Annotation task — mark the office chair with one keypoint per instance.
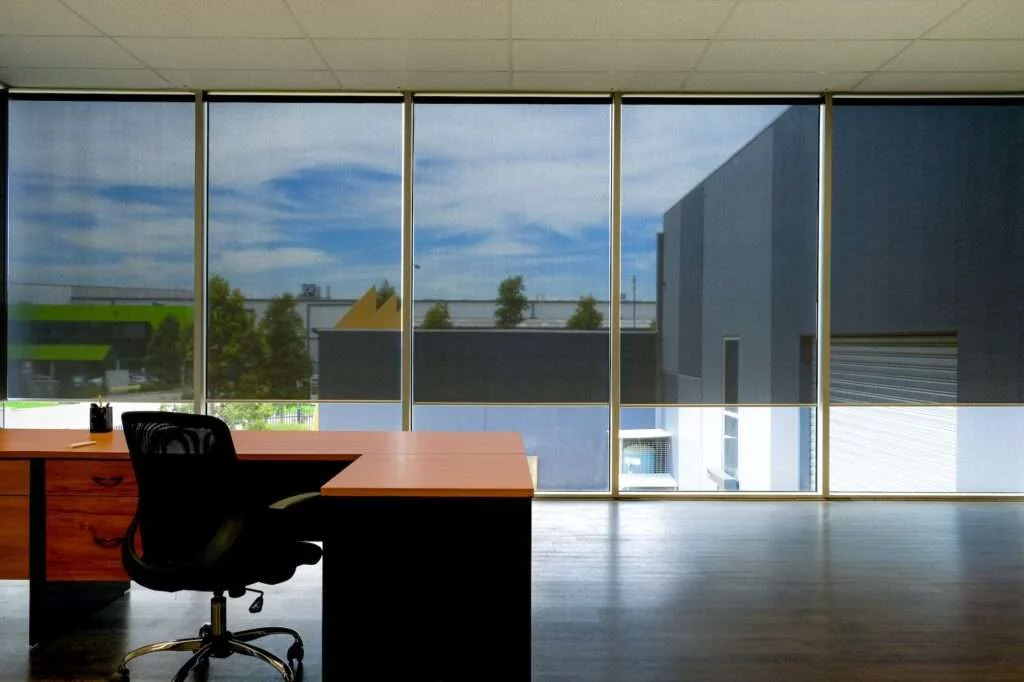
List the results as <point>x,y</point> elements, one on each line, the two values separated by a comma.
<point>198,531</point>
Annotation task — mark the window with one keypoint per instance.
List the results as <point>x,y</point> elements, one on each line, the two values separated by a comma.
<point>304,259</point>
<point>719,238</point>
<point>511,254</point>
<point>927,380</point>
<point>100,255</point>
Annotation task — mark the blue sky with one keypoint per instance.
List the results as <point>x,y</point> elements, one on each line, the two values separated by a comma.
<point>101,193</point>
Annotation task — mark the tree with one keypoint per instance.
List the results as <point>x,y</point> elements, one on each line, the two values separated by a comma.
<point>385,291</point>
<point>586,316</point>
<point>437,317</point>
<point>165,355</point>
<point>289,365</point>
<point>235,349</point>
<point>511,303</point>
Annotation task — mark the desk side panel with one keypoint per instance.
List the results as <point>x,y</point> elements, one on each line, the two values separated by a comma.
<point>445,583</point>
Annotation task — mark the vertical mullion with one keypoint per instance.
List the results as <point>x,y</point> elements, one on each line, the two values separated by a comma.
<point>199,312</point>
<point>5,103</point>
<point>825,302</point>
<point>407,264</point>
<point>615,304</point>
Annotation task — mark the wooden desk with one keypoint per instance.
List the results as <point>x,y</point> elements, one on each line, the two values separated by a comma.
<point>291,445</point>
<point>407,517</point>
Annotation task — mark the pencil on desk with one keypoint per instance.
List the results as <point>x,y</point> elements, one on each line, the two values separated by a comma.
<point>82,444</point>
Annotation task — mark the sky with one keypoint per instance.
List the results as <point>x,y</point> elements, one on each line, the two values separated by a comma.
<point>102,193</point>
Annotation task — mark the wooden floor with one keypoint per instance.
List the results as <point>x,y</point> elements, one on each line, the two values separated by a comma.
<point>702,591</point>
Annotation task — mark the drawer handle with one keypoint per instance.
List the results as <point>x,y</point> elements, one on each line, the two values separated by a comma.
<point>108,481</point>
<point>104,541</point>
<point>107,542</point>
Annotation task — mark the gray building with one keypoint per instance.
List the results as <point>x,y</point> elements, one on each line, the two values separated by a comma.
<point>927,291</point>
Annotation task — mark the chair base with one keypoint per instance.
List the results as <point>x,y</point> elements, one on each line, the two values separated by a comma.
<point>215,641</point>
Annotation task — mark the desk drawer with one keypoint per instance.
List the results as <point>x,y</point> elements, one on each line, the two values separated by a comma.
<point>84,535</point>
<point>13,537</point>
<point>97,477</point>
<point>14,477</point>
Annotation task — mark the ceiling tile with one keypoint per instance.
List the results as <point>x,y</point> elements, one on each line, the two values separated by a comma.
<point>461,81</point>
<point>394,19</point>
<point>960,55</point>
<point>667,19</point>
<point>836,19</point>
<point>41,18</point>
<point>772,82</point>
<point>190,18</point>
<point>606,55</point>
<point>991,81</point>
<point>799,55</point>
<point>984,19</point>
<point>415,55</point>
<point>243,79</point>
<point>114,79</point>
<point>600,81</point>
<point>78,52</point>
<point>225,53</point>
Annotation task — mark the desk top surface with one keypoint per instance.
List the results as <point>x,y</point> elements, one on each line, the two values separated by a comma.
<point>390,463</point>
<point>330,445</point>
<point>433,476</point>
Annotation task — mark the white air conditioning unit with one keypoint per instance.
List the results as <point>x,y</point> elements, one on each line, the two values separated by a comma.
<point>646,459</point>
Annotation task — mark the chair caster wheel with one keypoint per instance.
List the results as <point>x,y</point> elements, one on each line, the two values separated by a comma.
<point>295,652</point>
<point>205,631</point>
<point>121,674</point>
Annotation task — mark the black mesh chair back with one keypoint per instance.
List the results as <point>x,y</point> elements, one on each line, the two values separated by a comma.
<point>186,470</point>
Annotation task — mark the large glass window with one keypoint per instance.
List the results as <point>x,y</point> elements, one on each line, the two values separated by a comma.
<point>927,284</point>
<point>304,258</point>
<point>511,265</point>
<point>719,253</point>
<point>100,256</point>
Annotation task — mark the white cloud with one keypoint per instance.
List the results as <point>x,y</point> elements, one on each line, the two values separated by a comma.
<point>265,260</point>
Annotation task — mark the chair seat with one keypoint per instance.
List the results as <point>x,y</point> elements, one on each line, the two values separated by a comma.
<point>258,564</point>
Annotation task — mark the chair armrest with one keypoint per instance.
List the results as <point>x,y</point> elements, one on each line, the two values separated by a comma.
<point>293,500</point>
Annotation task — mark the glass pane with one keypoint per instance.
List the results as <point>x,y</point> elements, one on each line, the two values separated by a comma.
<point>729,449</point>
<point>927,242</point>
<point>258,416</point>
<point>360,416</point>
<point>100,250</point>
<point>570,444</point>
<point>73,414</point>
<point>511,253</point>
<point>305,250</point>
<point>926,448</point>
<point>511,260</point>
<point>719,285</point>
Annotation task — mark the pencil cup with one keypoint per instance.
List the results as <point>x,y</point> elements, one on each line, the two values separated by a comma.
<point>101,418</point>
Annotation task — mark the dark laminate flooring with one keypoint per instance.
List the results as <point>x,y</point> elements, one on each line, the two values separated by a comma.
<point>623,591</point>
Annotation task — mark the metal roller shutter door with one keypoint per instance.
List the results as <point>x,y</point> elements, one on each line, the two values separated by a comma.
<point>887,433</point>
